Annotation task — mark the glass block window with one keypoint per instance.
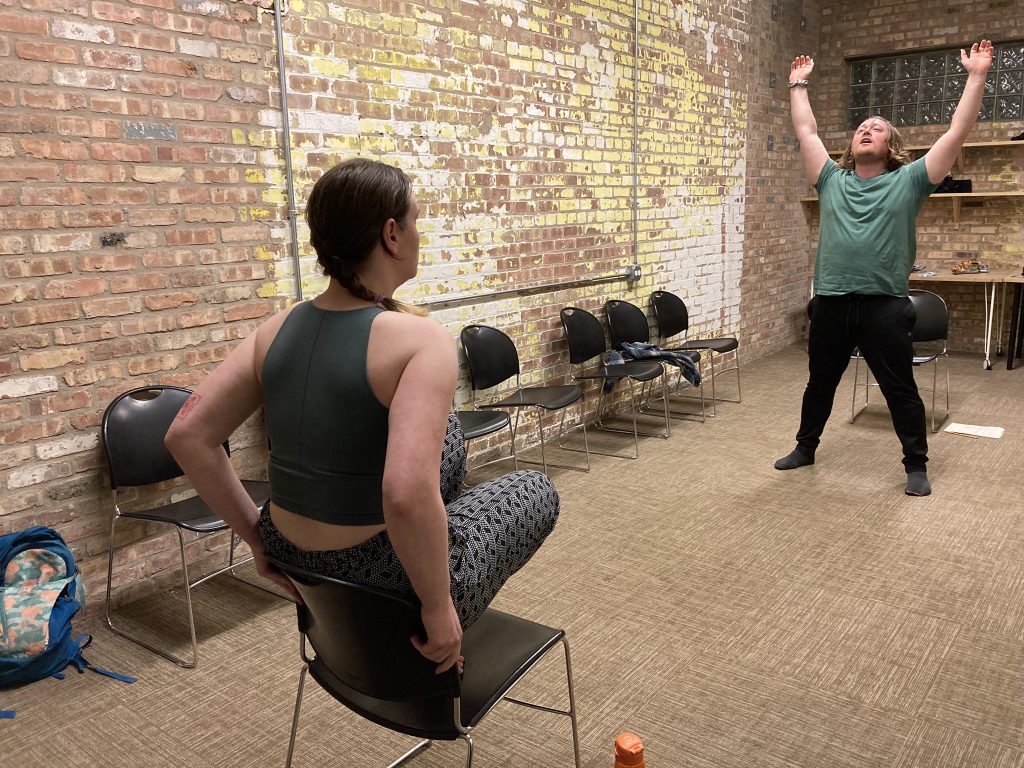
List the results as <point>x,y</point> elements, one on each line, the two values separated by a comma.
<point>924,88</point>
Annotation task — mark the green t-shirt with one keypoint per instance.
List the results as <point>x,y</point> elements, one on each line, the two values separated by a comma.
<point>868,238</point>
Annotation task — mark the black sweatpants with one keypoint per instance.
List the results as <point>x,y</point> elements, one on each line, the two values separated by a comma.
<point>880,326</point>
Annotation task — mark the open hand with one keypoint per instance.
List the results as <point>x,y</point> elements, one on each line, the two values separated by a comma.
<point>801,68</point>
<point>979,59</point>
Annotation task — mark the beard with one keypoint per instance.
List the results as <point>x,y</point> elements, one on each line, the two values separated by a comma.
<point>869,153</point>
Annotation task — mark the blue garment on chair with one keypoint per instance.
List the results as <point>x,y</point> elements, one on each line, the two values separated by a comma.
<point>642,350</point>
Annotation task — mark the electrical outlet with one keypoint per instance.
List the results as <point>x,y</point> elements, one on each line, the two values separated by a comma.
<point>633,273</point>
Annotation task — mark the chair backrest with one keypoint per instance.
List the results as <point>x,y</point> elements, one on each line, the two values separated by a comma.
<point>670,314</point>
<point>626,322</point>
<point>491,355</point>
<point>361,639</point>
<point>584,334</point>
<point>932,323</point>
<point>133,430</point>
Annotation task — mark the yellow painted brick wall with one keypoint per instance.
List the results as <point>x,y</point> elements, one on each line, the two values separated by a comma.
<point>515,121</point>
<point>143,205</point>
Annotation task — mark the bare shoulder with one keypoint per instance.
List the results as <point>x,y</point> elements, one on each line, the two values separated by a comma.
<point>403,329</point>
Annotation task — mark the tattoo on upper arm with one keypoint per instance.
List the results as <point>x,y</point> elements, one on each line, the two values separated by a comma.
<point>189,406</point>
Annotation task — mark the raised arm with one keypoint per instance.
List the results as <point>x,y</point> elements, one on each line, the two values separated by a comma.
<point>414,512</point>
<point>812,151</point>
<point>942,155</point>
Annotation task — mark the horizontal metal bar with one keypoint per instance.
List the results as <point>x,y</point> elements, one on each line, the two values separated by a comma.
<point>480,298</point>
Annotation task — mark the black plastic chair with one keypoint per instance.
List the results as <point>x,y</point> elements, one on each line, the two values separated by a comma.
<point>628,323</point>
<point>363,658</point>
<point>672,317</point>
<point>133,429</point>
<point>585,337</point>
<point>493,360</point>
<point>482,423</point>
<point>931,330</point>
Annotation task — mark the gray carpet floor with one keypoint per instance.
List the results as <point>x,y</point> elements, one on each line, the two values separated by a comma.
<point>731,615</point>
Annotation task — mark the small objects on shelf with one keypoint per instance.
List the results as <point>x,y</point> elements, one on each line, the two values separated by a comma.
<point>969,267</point>
<point>955,186</point>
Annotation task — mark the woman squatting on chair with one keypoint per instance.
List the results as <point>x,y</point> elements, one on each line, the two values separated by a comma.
<point>365,463</point>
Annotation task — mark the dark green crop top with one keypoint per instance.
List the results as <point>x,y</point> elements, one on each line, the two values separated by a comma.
<point>328,432</point>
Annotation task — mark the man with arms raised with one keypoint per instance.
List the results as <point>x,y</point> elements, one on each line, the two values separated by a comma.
<point>869,201</point>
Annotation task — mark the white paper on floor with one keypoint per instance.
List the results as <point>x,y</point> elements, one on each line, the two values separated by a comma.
<point>973,430</point>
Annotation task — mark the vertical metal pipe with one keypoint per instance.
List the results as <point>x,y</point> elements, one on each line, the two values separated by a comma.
<point>636,137</point>
<point>289,176</point>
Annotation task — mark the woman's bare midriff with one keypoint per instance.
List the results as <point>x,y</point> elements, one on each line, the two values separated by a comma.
<point>314,536</point>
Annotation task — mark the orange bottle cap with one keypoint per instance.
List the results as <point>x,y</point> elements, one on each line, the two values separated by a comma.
<point>629,751</point>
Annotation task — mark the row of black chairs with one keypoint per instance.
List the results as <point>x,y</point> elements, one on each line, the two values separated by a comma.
<point>493,360</point>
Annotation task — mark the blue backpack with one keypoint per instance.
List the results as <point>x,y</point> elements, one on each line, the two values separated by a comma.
<point>41,590</point>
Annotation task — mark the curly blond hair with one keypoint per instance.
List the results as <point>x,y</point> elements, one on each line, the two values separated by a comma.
<point>897,158</point>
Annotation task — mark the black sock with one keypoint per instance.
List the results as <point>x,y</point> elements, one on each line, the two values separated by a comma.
<point>798,457</point>
<point>917,483</point>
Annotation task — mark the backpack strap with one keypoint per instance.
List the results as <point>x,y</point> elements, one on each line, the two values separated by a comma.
<point>81,663</point>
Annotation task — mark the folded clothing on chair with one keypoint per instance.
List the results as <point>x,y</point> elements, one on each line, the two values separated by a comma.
<point>642,350</point>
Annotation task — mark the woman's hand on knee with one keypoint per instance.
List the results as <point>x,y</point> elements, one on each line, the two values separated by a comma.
<point>444,636</point>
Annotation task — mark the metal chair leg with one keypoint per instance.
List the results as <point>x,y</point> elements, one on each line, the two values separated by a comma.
<point>466,737</point>
<point>420,747</point>
<point>295,716</point>
<point>188,607</point>
<point>572,704</point>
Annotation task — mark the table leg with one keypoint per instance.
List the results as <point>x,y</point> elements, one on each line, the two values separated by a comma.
<point>999,319</point>
<point>990,312</point>
<point>1013,345</point>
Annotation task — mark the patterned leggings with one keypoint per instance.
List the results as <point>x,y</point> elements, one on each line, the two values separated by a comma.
<point>493,530</point>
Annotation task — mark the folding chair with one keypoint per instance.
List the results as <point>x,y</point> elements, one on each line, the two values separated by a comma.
<point>363,658</point>
<point>931,330</point>
<point>672,317</point>
<point>628,323</point>
<point>493,360</point>
<point>133,428</point>
<point>585,337</point>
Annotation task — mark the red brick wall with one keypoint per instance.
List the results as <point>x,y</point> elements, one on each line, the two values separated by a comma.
<point>134,234</point>
<point>143,208</point>
<point>775,272</point>
<point>992,229</point>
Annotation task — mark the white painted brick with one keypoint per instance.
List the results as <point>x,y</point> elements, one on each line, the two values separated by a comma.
<point>32,385</point>
<point>67,445</point>
<point>193,47</point>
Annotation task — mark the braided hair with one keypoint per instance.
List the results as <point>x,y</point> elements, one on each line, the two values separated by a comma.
<point>346,213</point>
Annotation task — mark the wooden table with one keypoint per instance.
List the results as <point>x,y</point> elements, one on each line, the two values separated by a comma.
<point>989,281</point>
<point>1013,348</point>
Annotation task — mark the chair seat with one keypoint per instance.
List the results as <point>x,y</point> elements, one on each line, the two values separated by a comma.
<point>719,345</point>
<point>551,398</point>
<point>479,423</point>
<point>498,649</point>
<point>193,514</point>
<point>640,370</point>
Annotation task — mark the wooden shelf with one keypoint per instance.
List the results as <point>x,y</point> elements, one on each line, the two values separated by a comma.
<point>955,197</point>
